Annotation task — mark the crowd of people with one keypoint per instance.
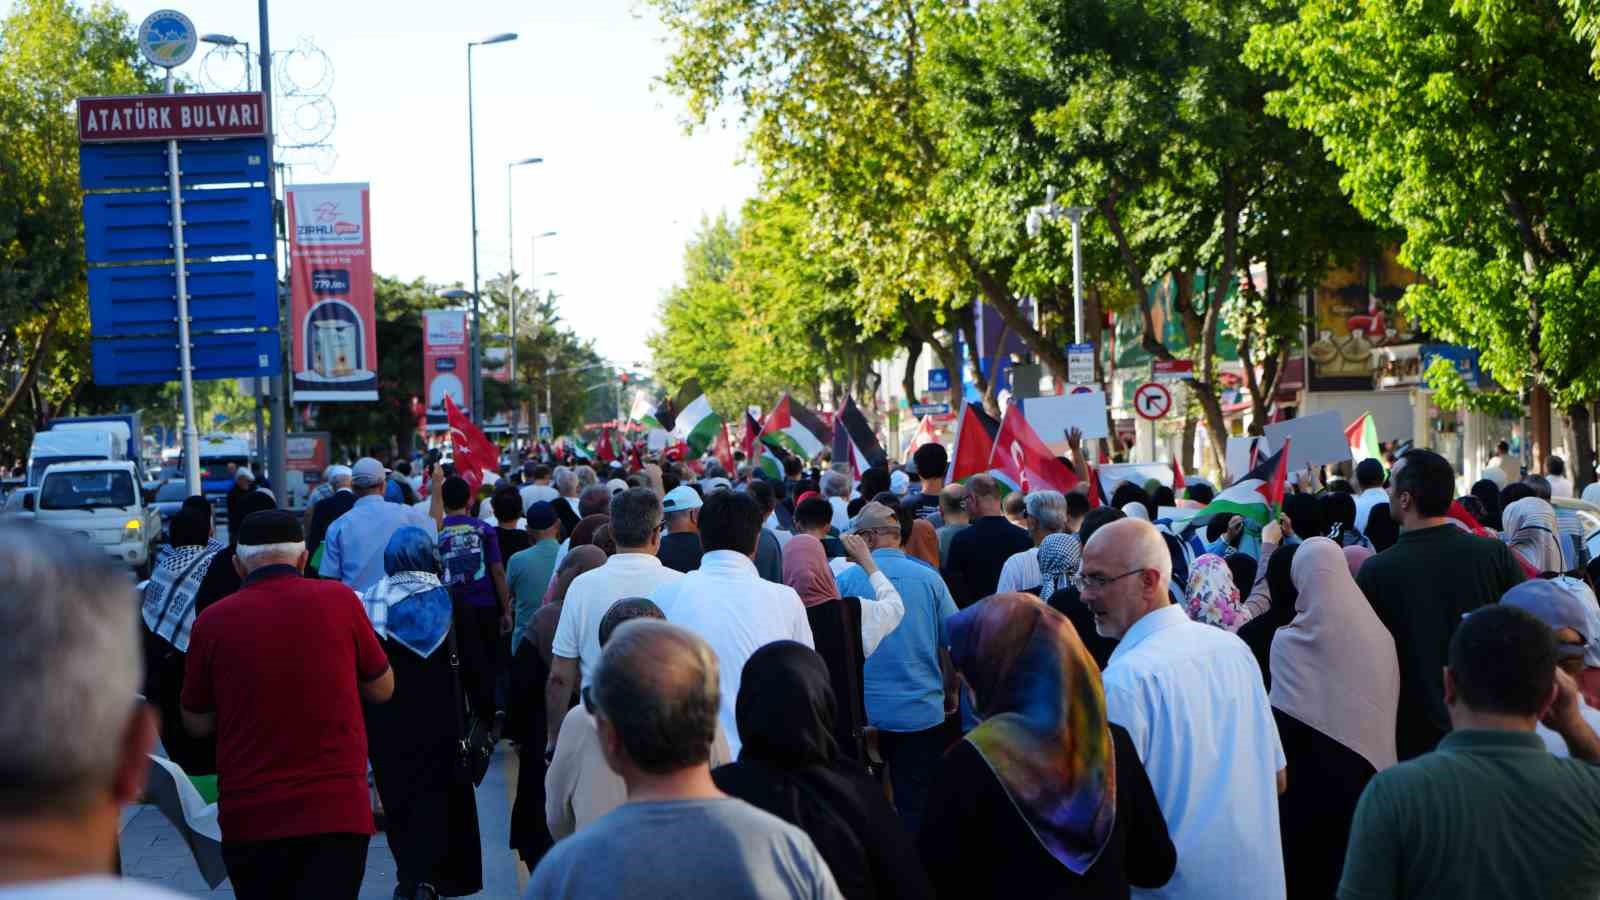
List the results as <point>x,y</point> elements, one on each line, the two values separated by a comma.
<point>828,684</point>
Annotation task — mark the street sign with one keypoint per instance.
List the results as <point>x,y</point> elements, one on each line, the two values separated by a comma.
<point>544,426</point>
<point>1080,363</point>
<point>162,117</point>
<point>154,360</point>
<point>1152,401</point>
<point>930,409</point>
<point>128,301</point>
<point>167,38</point>
<point>137,226</point>
<point>1173,369</point>
<point>938,380</point>
<point>143,164</point>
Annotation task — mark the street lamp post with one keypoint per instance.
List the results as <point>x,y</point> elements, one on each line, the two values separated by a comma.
<point>228,40</point>
<point>472,189</point>
<point>1051,211</point>
<point>511,293</point>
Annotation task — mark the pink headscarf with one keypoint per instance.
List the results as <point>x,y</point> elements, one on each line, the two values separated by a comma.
<point>805,568</point>
<point>1357,555</point>
<point>1334,667</point>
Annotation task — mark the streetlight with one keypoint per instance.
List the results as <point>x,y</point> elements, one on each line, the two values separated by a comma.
<point>1052,211</point>
<point>511,291</point>
<point>472,188</point>
<point>228,40</point>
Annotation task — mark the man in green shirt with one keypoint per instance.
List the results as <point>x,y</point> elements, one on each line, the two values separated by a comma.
<point>1422,586</point>
<point>528,573</point>
<point>1490,813</point>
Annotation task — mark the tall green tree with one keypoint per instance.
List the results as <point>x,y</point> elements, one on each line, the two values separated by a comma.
<point>51,52</point>
<point>1470,127</point>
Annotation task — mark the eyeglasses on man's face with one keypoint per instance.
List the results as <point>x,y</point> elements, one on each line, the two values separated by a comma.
<point>1085,583</point>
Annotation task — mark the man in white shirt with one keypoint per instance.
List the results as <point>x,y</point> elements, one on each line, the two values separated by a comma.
<point>726,602</point>
<point>633,572</point>
<point>1369,478</point>
<point>1046,513</point>
<point>539,489</point>
<point>1556,473</point>
<point>1192,699</point>
<point>76,742</point>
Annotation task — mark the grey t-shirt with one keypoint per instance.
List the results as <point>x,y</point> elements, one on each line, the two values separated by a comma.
<point>722,848</point>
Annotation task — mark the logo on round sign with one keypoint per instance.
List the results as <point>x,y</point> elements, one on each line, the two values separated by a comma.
<point>1081,389</point>
<point>167,38</point>
<point>1152,401</point>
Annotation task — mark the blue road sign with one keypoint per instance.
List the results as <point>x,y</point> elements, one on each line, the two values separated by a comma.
<point>930,409</point>
<point>137,227</point>
<point>154,360</point>
<point>938,380</point>
<point>129,301</point>
<point>143,164</point>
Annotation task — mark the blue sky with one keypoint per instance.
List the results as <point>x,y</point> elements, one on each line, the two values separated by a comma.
<point>622,184</point>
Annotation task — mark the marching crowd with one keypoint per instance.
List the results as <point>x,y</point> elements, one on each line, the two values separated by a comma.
<point>826,685</point>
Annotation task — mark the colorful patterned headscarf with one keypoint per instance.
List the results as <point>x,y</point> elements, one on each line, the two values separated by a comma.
<point>1212,598</point>
<point>1045,733</point>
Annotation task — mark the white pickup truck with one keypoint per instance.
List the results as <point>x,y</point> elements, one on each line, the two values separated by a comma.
<point>101,501</point>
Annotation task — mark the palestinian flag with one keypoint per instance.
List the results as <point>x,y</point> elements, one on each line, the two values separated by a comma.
<point>697,425</point>
<point>769,463</point>
<point>796,429</point>
<point>858,439</point>
<point>644,411</point>
<point>927,433</point>
<point>1362,436</point>
<point>750,443</point>
<point>1258,496</point>
<point>1021,461</point>
<point>974,444</point>
<point>722,449</point>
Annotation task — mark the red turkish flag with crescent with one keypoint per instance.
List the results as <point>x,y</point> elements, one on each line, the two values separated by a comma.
<point>475,454</point>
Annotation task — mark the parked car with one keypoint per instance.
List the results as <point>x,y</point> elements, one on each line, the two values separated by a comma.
<point>19,503</point>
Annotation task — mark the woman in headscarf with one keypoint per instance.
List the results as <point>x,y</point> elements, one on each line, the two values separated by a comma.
<point>1065,599</point>
<point>790,765</point>
<point>432,815</point>
<point>1530,527</point>
<point>845,630</point>
<point>1335,693</point>
<point>221,579</point>
<point>1339,512</point>
<point>924,543</point>
<point>1059,557</point>
<point>1046,797</point>
<point>1212,598</point>
<point>1488,493</point>
<point>525,710</point>
<point>168,613</point>
<point>583,532</point>
<point>1279,589</point>
<point>1356,557</point>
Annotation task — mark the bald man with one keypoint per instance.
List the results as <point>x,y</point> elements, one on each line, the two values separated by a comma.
<point>1191,697</point>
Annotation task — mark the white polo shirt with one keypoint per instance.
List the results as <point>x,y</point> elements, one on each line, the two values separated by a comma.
<point>1020,572</point>
<point>1191,697</point>
<point>1366,501</point>
<point>592,593</point>
<point>734,610</point>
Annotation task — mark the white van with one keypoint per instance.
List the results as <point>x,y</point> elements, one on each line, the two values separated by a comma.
<point>70,445</point>
<point>102,502</point>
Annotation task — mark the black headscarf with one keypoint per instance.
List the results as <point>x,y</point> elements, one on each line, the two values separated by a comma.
<point>1381,529</point>
<point>1338,510</point>
<point>789,766</point>
<point>1257,633</point>
<point>1305,514</point>
<point>1489,496</point>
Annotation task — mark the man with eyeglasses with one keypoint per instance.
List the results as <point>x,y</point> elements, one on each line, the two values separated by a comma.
<point>1191,697</point>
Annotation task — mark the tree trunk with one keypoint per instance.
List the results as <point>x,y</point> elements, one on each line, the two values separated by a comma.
<point>30,372</point>
<point>1582,449</point>
<point>1186,449</point>
<point>969,336</point>
<point>908,380</point>
<point>1539,441</point>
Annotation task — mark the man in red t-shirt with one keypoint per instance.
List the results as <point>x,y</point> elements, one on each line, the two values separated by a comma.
<point>278,671</point>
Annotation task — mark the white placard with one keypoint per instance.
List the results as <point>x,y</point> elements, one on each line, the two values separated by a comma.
<point>1318,439</point>
<point>1052,417</point>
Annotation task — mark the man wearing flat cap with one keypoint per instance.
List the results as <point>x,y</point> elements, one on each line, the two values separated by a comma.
<point>278,671</point>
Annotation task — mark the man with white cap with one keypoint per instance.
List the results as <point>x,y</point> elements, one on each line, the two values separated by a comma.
<point>321,514</point>
<point>244,481</point>
<point>1560,603</point>
<point>680,547</point>
<point>352,551</point>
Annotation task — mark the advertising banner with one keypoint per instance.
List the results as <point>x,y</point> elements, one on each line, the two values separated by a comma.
<point>307,456</point>
<point>444,363</point>
<point>331,309</point>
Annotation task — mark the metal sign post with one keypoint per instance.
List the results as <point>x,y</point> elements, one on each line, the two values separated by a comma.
<point>191,434</point>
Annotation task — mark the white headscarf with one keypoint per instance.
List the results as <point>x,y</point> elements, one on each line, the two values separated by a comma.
<point>1530,529</point>
<point>1591,494</point>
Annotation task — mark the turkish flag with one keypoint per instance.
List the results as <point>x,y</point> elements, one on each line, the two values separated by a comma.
<point>475,454</point>
<point>1022,460</point>
<point>722,449</point>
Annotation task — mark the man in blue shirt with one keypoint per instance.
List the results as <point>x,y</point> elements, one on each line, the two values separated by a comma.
<point>908,682</point>
<point>353,549</point>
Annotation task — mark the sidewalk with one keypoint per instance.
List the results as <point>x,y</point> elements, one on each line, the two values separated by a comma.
<point>152,851</point>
